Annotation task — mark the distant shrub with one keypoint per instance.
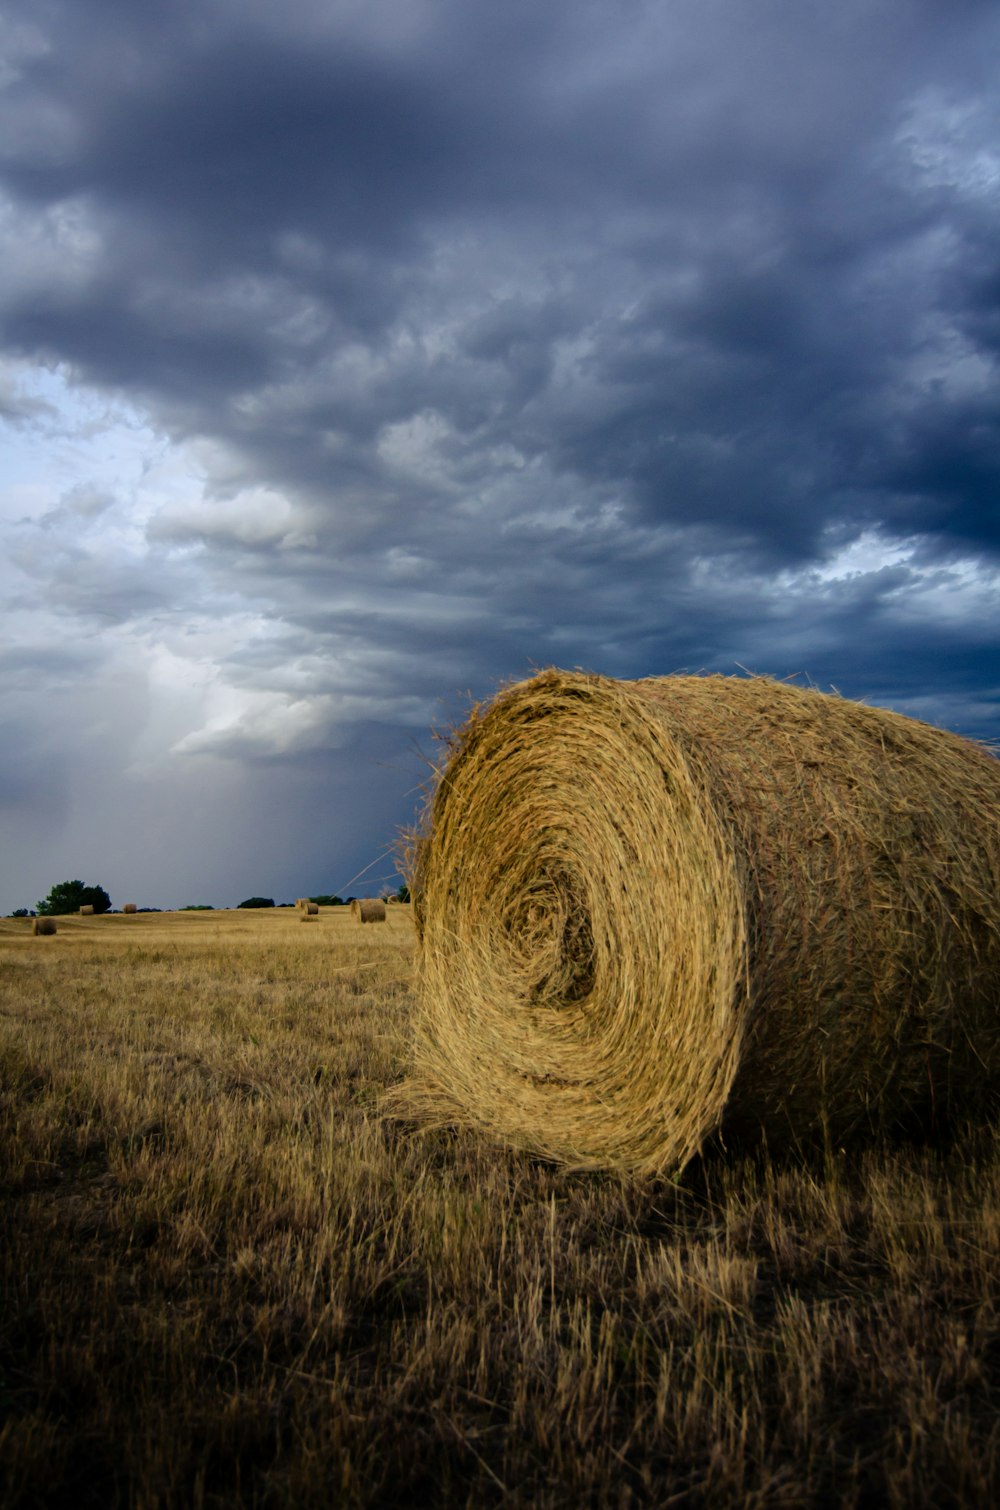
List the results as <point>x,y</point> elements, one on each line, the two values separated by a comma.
<point>21,912</point>
<point>201,907</point>
<point>258,902</point>
<point>70,896</point>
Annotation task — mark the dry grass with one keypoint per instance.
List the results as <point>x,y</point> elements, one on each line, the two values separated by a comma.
<point>656,911</point>
<point>227,1281</point>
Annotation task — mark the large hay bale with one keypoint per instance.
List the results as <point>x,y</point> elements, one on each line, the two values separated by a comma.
<point>43,927</point>
<point>369,910</point>
<point>651,911</point>
<point>130,907</point>
<point>302,903</point>
<point>310,909</point>
<point>87,911</point>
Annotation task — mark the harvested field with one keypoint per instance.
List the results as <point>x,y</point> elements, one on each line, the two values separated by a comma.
<point>657,911</point>
<point>229,1281</point>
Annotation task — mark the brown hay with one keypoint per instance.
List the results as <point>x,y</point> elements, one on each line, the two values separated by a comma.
<point>130,907</point>
<point>302,903</point>
<point>369,910</point>
<point>310,910</point>
<point>652,911</point>
<point>43,927</point>
<point>87,911</point>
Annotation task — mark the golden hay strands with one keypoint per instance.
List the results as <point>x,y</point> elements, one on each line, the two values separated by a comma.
<point>87,911</point>
<point>370,910</point>
<point>302,903</point>
<point>310,909</point>
<point>43,927</point>
<point>130,907</point>
<point>650,911</point>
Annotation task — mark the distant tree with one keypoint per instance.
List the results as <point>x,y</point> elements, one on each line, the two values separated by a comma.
<point>403,894</point>
<point>21,912</point>
<point>258,902</point>
<point>327,901</point>
<point>70,896</point>
<point>200,907</point>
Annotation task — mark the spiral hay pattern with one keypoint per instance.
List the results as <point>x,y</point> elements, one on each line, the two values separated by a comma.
<point>653,911</point>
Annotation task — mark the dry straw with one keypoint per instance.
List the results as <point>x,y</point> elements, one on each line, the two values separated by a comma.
<point>368,910</point>
<point>87,911</point>
<point>130,907</point>
<point>43,927</point>
<point>653,911</point>
<point>310,910</point>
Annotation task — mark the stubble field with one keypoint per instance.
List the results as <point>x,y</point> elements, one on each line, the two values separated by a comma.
<point>229,1279</point>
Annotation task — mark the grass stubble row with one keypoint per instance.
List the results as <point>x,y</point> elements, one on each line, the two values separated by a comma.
<point>652,912</point>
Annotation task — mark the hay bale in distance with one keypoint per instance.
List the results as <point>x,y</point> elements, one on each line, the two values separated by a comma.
<point>302,903</point>
<point>87,911</point>
<point>43,927</point>
<point>370,910</point>
<point>130,907</point>
<point>311,910</point>
<point>653,911</point>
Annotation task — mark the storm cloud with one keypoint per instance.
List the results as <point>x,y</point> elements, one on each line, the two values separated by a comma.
<point>358,356</point>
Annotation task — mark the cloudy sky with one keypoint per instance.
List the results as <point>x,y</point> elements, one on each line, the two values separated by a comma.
<point>358,354</point>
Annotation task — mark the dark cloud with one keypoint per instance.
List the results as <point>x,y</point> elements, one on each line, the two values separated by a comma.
<point>458,339</point>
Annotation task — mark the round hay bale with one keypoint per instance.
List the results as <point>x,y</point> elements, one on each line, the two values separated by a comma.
<point>87,911</point>
<point>43,927</point>
<point>302,903</point>
<point>370,910</point>
<point>653,911</point>
<point>311,910</point>
<point>130,907</point>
